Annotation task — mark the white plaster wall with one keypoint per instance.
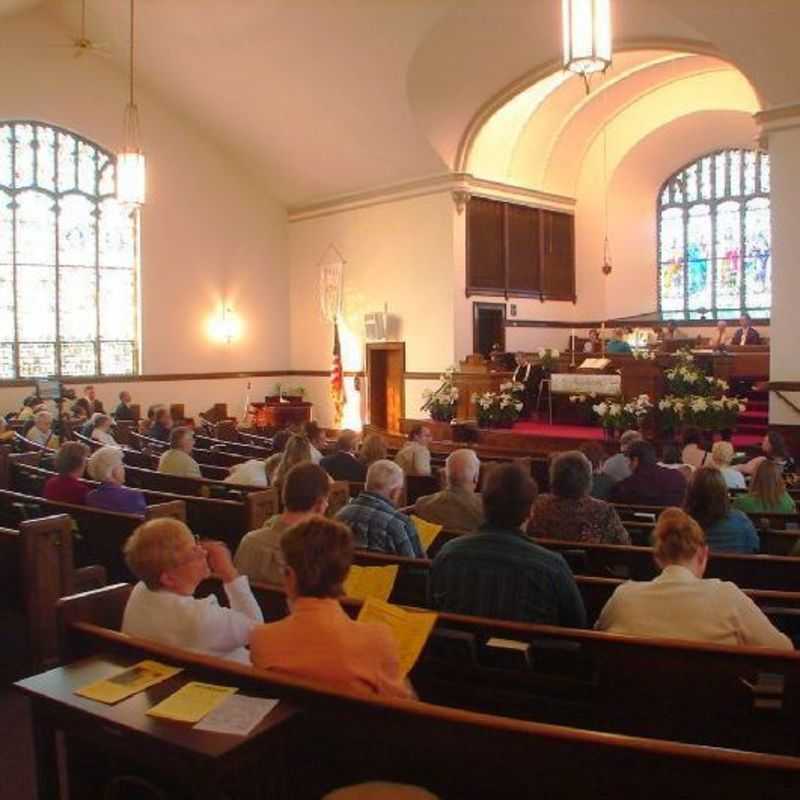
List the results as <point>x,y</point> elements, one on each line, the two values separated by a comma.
<point>397,252</point>
<point>208,228</point>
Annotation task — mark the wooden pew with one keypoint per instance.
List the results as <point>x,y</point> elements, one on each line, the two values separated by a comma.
<point>238,448</point>
<point>227,519</point>
<point>36,569</point>
<point>101,533</point>
<point>770,520</point>
<point>426,744</point>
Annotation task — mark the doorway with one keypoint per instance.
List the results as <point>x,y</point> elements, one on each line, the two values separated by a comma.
<point>386,396</point>
<point>488,327</point>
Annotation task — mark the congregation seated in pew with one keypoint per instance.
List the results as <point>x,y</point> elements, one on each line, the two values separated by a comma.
<point>498,572</point>
<point>414,457</point>
<point>695,452</point>
<point>767,492</point>
<point>618,467</point>
<point>252,472</point>
<point>569,512</point>
<point>105,465</point>
<point>316,440</point>
<point>344,464</point>
<point>458,506</point>
<point>374,518</point>
<point>680,603</point>
<point>170,564</point>
<point>373,448</point>
<point>67,486</point>
<point>318,641</point>
<point>297,451</point>
<point>671,459</point>
<point>773,448</point>
<point>601,481</point>
<point>42,432</point>
<point>123,410</point>
<point>162,424</point>
<point>649,484</point>
<point>101,430</point>
<point>722,454</point>
<point>305,492</point>
<point>177,460</point>
<point>726,529</point>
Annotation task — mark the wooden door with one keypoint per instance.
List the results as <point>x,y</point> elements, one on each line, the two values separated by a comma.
<point>386,366</point>
<point>488,327</point>
<point>558,256</point>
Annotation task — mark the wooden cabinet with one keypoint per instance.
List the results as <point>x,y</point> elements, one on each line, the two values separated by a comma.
<point>519,251</point>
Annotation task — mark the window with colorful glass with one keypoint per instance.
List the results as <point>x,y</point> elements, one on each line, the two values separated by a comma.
<point>68,255</point>
<point>714,243</point>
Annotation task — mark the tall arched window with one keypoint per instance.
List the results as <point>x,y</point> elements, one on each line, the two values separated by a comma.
<point>68,255</point>
<point>714,243</point>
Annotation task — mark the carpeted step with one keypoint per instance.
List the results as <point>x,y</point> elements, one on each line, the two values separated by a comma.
<point>754,416</point>
<point>753,430</point>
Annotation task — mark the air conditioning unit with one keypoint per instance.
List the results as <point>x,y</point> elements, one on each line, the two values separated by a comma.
<point>376,325</point>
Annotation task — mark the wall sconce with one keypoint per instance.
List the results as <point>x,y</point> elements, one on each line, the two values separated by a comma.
<point>227,327</point>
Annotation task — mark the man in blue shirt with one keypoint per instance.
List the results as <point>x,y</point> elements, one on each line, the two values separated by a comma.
<point>373,516</point>
<point>617,344</point>
<point>498,572</point>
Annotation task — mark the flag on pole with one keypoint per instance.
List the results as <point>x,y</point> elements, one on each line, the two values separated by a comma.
<point>337,379</point>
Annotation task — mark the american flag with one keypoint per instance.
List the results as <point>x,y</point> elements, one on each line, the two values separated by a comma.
<point>337,379</point>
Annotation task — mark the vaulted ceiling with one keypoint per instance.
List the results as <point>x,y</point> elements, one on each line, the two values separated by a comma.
<point>321,97</point>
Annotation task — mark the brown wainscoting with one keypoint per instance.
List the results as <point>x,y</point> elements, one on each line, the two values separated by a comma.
<point>783,386</point>
<point>625,322</point>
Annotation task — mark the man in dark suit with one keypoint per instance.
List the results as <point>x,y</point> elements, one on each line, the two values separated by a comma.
<point>649,484</point>
<point>123,409</point>
<point>343,465</point>
<point>529,376</point>
<point>746,333</point>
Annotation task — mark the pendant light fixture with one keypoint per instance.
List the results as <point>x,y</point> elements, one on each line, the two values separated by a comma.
<point>130,161</point>
<point>587,36</point>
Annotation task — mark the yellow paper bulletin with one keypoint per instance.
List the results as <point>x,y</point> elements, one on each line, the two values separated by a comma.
<point>192,702</point>
<point>128,682</point>
<point>427,531</point>
<point>364,582</point>
<point>410,629</point>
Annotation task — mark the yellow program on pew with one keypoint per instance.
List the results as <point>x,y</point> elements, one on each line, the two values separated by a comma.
<point>427,531</point>
<point>410,629</point>
<point>130,681</point>
<point>364,582</point>
<point>192,702</point>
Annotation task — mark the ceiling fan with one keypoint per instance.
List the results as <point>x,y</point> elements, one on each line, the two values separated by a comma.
<point>80,44</point>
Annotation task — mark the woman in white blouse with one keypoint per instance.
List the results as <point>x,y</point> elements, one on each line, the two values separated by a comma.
<point>680,603</point>
<point>170,564</point>
<point>722,454</point>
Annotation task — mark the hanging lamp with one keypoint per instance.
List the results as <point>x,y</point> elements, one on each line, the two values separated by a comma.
<point>130,161</point>
<point>587,36</point>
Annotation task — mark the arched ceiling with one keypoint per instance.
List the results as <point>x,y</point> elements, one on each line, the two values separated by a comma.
<point>323,97</point>
<point>538,138</point>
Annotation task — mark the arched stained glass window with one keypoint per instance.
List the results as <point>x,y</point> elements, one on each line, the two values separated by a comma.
<point>68,256</point>
<point>714,243</point>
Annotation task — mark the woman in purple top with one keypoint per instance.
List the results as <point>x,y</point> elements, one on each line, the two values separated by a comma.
<point>105,465</point>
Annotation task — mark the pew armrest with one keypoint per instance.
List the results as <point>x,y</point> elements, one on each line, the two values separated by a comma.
<point>88,578</point>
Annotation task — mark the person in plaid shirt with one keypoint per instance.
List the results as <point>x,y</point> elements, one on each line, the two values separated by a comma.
<point>373,516</point>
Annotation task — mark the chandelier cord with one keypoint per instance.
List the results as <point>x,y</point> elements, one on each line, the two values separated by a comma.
<point>132,100</point>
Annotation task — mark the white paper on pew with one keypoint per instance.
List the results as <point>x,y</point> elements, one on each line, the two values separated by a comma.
<point>237,716</point>
<point>507,644</point>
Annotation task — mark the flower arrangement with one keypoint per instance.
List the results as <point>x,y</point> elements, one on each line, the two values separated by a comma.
<point>497,409</point>
<point>644,354</point>
<point>712,414</point>
<point>441,403</point>
<point>548,356</point>
<point>615,415</point>
<point>685,379</point>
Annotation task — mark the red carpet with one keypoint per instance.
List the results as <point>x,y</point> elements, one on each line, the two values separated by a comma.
<point>583,433</point>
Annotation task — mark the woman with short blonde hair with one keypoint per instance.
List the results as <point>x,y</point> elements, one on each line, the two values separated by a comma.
<point>722,454</point>
<point>680,603</point>
<point>170,564</point>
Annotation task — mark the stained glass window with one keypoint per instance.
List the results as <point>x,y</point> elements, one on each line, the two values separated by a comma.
<point>68,258</point>
<point>714,244</point>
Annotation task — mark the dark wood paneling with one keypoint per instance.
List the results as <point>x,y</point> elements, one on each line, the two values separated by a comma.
<point>485,246</point>
<point>523,265</point>
<point>558,257</point>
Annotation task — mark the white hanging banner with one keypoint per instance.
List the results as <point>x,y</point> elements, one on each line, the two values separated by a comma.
<point>331,283</point>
